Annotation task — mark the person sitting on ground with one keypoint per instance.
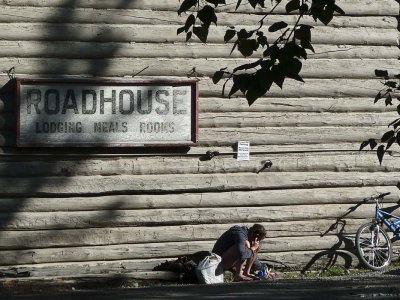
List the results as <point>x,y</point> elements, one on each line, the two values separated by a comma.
<point>238,248</point>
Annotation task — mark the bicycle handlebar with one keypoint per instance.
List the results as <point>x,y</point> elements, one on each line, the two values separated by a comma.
<point>379,196</point>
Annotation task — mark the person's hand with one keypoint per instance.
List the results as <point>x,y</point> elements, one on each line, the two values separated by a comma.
<point>256,244</point>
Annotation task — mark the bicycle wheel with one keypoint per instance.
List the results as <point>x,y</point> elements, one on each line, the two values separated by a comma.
<point>373,246</point>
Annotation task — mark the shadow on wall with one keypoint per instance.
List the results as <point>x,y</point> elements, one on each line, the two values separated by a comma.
<point>336,254</point>
<point>12,157</point>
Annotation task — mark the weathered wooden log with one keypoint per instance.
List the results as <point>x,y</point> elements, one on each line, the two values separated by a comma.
<point>319,68</point>
<point>60,49</point>
<point>301,260</point>
<point>98,185</point>
<point>347,104</point>
<point>277,119</point>
<point>342,195</point>
<point>38,239</point>
<point>213,137</point>
<point>167,34</point>
<point>287,135</point>
<point>267,119</point>
<point>166,217</point>
<point>351,7</point>
<point>222,163</point>
<point>157,250</point>
<point>311,88</point>
<point>266,105</point>
<point>135,16</point>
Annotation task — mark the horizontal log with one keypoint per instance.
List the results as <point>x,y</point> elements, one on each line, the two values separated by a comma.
<point>160,250</point>
<point>269,119</point>
<point>287,135</point>
<point>228,136</point>
<point>136,16</point>
<point>167,34</point>
<point>59,49</point>
<point>311,88</point>
<point>263,105</point>
<point>34,240</point>
<point>351,7</point>
<point>307,260</point>
<point>276,105</point>
<point>315,196</point>
<point>98,185</point>
<point>303,162</point>
<point>320,68</point>
<point>211,137</point>
<point>169,217</point>
<point>39,239</point>
<point>276,119</point>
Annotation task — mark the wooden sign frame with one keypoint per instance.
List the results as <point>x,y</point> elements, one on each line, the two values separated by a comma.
<point>106,113</point>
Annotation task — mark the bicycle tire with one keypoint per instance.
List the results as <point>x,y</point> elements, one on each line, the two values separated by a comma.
<point>374,247</point>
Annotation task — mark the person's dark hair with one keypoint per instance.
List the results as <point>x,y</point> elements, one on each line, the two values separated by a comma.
<point>258,230</point>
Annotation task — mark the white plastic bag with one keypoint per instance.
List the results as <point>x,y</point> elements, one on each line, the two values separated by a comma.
<point>210,270</point>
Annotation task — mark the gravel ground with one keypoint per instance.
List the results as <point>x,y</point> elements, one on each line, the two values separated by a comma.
<point>368,285</point>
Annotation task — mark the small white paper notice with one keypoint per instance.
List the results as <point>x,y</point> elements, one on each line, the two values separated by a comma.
<point>243,150</point>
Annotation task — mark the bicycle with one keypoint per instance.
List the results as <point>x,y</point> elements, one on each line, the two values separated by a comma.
<point>373,244</point>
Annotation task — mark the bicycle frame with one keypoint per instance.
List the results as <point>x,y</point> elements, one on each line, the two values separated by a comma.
<point>385,217</point>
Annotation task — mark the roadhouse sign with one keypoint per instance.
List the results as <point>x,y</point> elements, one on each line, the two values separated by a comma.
<point>106,113</point>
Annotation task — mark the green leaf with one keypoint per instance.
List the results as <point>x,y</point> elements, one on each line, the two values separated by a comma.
<point>201,32</point>
<point>338,9</point>
<point>387,135</point>
<point>207,15</point>
<point>254,3</point>
<point>277,26</point>
<point>262,39</point>
<point>229,34</point>
<point>180,30</point>
<point>303,33</point>
<point>273,51</point>
<point>247,66</point>
<point>188,36</point>
<point>381,73</point>
<point>244,34</point>
<point>292,5</point>
<point>238,4</point>
<point>234,89</point>
<point>378,97</point>
<point>364,144</point>
<point>247,47</point>
<point>186,5</point>
<point>217,76</point>
<point>304,9</point>
<point>372,143</point>
<point>391,83</point>
<point>294,50</point>
<point>307,45</point>
<point>189,22</point>
<point>390,142</point>
<point>388,100</point>
<point>216,2</point>
<point>380,153</point>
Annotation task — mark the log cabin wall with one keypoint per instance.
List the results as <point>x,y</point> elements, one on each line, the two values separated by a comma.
<point>80,211</point>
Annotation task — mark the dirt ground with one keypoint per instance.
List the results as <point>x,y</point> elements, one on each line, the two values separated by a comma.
<point>367,286</point>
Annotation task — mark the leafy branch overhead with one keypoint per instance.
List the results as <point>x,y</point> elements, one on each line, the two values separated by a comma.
<point>391,86</point>
<point>280,58</point>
